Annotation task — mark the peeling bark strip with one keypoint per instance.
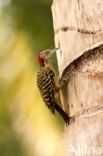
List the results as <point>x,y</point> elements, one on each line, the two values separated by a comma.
<point>86,63</point>
<point>80,30</point>
<point>90,64</point>
<point>90,111</point>
<point>86,112</point>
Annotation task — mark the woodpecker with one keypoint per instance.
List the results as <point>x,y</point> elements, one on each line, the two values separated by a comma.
<point>46,82</point>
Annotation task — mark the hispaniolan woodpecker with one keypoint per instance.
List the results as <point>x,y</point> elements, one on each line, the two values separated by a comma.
<point>46,82</point>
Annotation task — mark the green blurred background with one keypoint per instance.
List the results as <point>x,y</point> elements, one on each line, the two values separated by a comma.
<point>26,126</point>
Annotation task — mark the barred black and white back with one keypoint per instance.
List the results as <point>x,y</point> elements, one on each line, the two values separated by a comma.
<point>46,85</point>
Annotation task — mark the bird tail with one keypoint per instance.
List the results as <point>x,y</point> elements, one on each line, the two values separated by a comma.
<point>62,113</point>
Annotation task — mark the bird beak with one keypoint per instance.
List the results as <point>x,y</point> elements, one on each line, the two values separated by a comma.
<point>49,51</point>
<point>54,50</point>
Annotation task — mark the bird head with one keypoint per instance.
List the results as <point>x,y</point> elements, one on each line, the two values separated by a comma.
<point>45,55</point>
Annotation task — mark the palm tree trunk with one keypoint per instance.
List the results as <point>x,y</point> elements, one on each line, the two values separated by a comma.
<point>78,29</point>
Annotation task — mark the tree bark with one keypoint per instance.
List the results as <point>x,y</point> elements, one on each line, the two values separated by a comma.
<point>78,29</point>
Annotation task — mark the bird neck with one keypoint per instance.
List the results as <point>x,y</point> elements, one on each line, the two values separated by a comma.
<point>46,64</point>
